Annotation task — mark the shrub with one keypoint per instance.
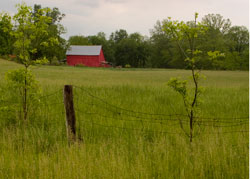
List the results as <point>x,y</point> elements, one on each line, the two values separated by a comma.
<point>127,66</point>
<point>54,61</point>
<point>80,65</point>
<point>24,90</point>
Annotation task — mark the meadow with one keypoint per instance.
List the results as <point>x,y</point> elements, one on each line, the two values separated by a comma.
<point>127,121</point>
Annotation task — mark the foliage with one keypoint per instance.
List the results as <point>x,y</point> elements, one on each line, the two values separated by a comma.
<point>238,48</point>
<point>129,49</point>
<point>179,86</point>
<point>162,50</point>
<point>78,40</point>
<point>6,39</point>
<point>218,36</point>
<point>217,22</point>
<point>30,32</point>
<point>127,66</point>
<point>38,30</point>
<point>54,61</point>
<point>24,89</point>
<point>55,30</point>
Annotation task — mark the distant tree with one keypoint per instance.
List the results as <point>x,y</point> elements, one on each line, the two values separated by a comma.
<point>114,39</point>
<point>142,50</point>
<point>55,30</point>
<point>6,39</point>
<point>117,36</point>
<point>213,39</point>
<point>238,37</point>
<point>130,49</point>
<point>238,48</point>
<point>217,22</point>
<point>79,40</point>
<point>164,52</point>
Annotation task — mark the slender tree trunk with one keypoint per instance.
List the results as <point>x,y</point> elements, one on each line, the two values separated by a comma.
<point>25,107</point>
<point>193,105</point>
<point>191,127</point>
<point>192,46</point>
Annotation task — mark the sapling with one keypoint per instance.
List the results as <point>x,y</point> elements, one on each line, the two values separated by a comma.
<point>29,32</point>
<point>190,31</point>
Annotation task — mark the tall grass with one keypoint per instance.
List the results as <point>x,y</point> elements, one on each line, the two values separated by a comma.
<point>111,146</point>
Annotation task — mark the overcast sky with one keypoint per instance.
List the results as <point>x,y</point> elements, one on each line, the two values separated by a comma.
<point>88,17</point>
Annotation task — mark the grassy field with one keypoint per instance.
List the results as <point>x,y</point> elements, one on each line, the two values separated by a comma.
<point>121,136</point>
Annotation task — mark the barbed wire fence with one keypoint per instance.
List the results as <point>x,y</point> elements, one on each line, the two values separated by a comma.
<point>99,112</point>
<point>95,116</point>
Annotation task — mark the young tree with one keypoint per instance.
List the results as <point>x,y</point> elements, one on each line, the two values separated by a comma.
<point>190,32</point>
<point>30,32</point>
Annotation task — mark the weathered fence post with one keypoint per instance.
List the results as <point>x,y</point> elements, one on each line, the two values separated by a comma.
<point>70,113</point>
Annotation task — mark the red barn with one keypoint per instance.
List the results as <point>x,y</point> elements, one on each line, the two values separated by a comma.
<point>91,56</point>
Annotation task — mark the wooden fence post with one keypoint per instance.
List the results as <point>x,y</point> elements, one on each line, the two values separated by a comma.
<point>70,113</point>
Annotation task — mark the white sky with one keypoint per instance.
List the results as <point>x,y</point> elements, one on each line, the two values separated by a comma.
<point>88,17</point>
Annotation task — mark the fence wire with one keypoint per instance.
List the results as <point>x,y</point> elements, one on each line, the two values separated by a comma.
<point>98,108</point>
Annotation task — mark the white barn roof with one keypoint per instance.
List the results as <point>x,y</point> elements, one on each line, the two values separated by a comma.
<point>84,50</point>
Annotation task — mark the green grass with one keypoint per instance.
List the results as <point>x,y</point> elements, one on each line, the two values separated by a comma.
<point>38,148</point>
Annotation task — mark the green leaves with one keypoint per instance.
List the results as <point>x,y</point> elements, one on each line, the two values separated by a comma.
<point>186,32</point>
<point>32,34</point>
<point>178,85</point>
<point>196,15</point>
<point>190,32</point>
<point>197,52</point>
<point>23,88</point>
<point>215,54</point>
<point>44,44</point>
<point>41,61</point>
<point>216,59</point>
<point>21,78</point>
<point>6,38</point>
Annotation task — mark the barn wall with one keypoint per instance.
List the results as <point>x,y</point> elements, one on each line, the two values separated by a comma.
<point>102,59</point>
<point>91,61</point>
<point>101,56</point>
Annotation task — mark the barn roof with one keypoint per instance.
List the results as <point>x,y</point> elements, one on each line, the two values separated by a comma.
<point>84,50</point>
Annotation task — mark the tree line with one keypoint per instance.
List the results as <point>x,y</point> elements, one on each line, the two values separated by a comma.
<point>135,50</point>
<point>33,33</point>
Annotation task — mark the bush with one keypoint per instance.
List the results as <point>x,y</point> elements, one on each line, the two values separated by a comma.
<point>127,66</point>
<point>54,61</point>
<point>21,84</point>
<point>80,65</point>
